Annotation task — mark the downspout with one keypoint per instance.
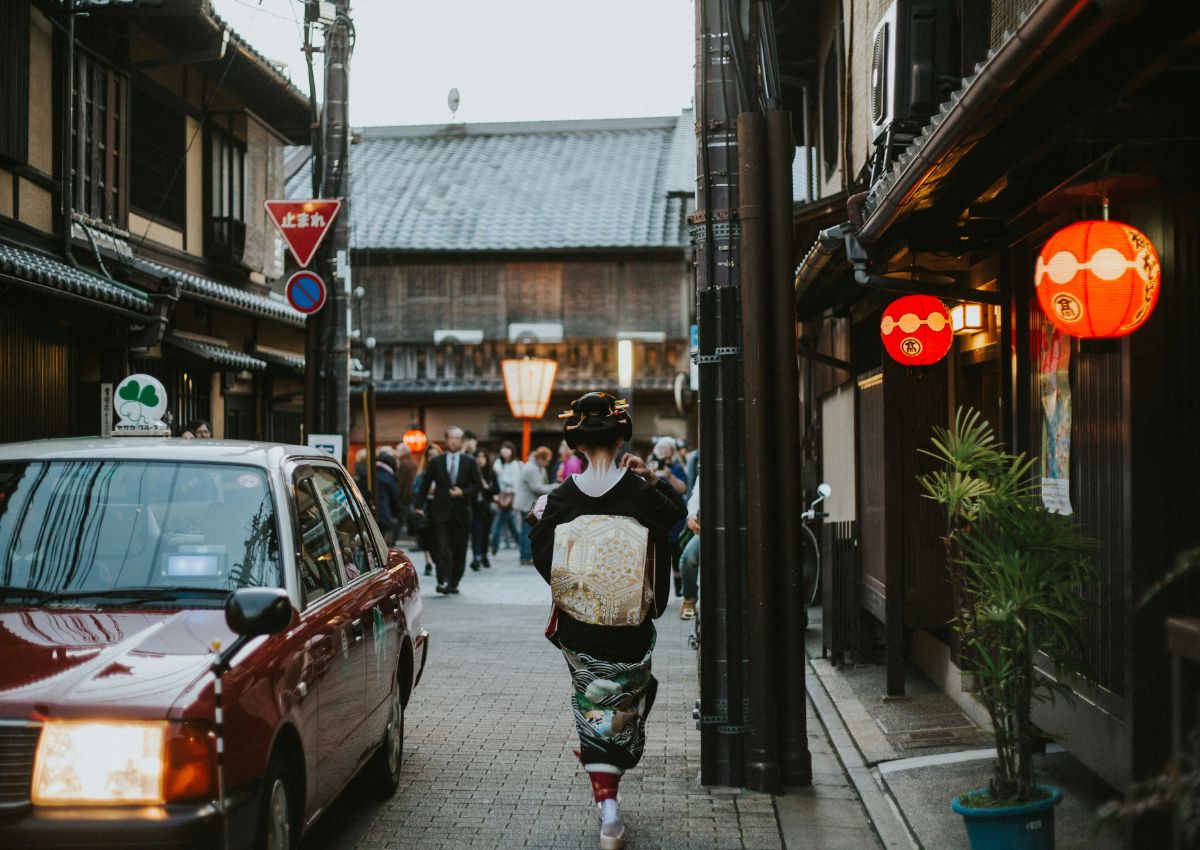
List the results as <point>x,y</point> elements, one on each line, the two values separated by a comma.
<point>67,182</point>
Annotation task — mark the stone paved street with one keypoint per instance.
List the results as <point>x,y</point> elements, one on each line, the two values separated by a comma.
<point>489,740</point>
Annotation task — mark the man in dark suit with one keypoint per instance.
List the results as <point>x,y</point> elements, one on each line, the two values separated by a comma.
<point>454,478</point>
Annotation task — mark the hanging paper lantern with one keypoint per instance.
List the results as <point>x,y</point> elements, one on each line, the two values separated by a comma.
<point>916,330</point>
<point>1097,279</point>
<point>416,440</point>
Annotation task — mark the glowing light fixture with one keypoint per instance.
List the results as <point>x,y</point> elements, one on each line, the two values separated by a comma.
<point>624,363</point>
<point>416,440</point>
<point>966,318</point>
<point>527,386</point>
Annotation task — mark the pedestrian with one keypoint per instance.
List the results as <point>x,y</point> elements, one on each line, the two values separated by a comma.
<point>568,463</point>
<point>418,523</point>
<point>481,511</point>
<point>200,429</point>
<point>689,558</point>
<point>406,475</point>
<point>508,476</point>
<point>663,464</point>
<point>533,482</point>
<point>606,634</point>
<point>470,443</point>
<point>454,478</point>
<point>387,494</point>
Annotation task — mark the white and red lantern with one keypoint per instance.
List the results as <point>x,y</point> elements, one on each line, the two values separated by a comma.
<point>916,330</point>
<point>1097,279</point>
<point>416,440</point>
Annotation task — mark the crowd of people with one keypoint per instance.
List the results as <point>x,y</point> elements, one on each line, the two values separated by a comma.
<point>459,499</point>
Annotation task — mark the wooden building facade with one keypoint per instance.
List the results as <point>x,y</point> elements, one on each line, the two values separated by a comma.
<point>133,166</point>
<point>1057,108</point>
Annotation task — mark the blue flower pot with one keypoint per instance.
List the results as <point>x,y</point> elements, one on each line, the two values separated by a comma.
<point>1029,826</point>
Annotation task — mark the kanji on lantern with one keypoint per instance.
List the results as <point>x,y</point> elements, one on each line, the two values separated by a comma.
<point>916,330</point>
<point>1098,279</point>
<point>416,440</point>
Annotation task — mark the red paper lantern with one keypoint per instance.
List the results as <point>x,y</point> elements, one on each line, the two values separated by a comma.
<point>416,440</point>
<point>916,330</point>
<point>1097,279</point>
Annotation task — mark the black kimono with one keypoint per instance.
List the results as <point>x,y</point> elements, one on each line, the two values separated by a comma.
<point>610,665</point>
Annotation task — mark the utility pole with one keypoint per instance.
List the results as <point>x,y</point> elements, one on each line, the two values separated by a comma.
<point>723,711</point>
<point>327,399</point>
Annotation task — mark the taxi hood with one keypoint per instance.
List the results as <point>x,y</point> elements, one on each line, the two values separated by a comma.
<point>86,663</point>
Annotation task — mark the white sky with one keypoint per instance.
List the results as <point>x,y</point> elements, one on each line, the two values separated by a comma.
<point>512,60</point>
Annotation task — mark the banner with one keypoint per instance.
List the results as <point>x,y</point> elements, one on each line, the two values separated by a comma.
<point>1055,379</point>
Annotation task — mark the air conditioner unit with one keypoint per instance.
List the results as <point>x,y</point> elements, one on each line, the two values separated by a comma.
<point>913,64</point>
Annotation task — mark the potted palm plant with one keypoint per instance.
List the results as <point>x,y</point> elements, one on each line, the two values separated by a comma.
<point>1019,571</point>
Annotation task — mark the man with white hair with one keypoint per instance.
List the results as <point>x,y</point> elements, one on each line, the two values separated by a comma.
<point>455,479</point>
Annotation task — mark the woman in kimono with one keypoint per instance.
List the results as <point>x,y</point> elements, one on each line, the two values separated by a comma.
<point>609,661</point>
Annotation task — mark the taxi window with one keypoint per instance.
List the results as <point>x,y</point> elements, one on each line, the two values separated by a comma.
<point>107,525</point>
<point>317,566</point>
<point>358,556</point>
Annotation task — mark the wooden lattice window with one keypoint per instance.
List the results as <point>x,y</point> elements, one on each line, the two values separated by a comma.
<point>99,138</point>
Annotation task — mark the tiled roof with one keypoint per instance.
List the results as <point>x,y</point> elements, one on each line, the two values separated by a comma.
<point>47,271</point>
<point>521,186</point>
<point>222,294</point>
<point>448,386</point>
<point>222,355</point>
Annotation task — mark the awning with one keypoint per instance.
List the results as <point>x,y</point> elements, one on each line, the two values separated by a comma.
<point>221,294</point>
<point>34,270</point>
<point>286,360</point>
<point>214,353</point>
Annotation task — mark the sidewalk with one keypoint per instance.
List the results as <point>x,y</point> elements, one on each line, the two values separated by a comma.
<point>923,751</point>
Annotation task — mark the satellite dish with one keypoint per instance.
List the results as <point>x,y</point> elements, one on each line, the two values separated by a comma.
<point>452,100</point>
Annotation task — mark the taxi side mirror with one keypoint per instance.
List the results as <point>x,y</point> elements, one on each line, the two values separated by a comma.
<point>253,611</point>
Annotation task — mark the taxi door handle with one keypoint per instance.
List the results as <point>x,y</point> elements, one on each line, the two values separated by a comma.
<point>356,628</point>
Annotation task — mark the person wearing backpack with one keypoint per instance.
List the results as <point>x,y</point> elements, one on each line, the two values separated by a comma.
<point>600,542</point>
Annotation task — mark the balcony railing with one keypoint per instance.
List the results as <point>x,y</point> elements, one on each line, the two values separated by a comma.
<point>419,368</point>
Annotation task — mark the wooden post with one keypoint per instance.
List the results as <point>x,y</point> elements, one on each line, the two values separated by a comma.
<point>526,438</point>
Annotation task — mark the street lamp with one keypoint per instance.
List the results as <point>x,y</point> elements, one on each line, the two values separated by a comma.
<point>625,364</point>
<point>527,385</point>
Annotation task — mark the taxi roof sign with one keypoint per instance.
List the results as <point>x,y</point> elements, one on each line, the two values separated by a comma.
<point>140,402</point>
<point>303,224</point>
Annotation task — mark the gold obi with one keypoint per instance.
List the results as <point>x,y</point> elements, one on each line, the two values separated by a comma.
<point>603,570</point>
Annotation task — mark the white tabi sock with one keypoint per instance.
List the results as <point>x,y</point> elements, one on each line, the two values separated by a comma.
<point>610,818</point>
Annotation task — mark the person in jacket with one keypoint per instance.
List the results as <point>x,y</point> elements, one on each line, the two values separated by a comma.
<point>534,482</point>
<point>609,662</point>
<point>508,476</point>
<point>454,479</point>
<point>481,510</point>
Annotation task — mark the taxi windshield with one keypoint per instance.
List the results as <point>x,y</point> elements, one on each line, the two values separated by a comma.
<point>134,531</point>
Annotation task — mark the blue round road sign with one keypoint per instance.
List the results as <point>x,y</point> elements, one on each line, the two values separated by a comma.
<point>306,292</point>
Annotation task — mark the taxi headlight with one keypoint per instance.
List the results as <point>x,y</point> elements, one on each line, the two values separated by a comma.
<point>99,762</point>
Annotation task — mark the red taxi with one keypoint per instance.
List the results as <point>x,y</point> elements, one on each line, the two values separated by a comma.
<point>129,566</point>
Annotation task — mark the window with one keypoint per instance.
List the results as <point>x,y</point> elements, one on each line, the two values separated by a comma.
<point>317,565</point>
<point>99,141</point>
<point>14,81</point>
<point>157,184</point>
<point>99,525</point>
<point>354,541</point>
<point>226,237</point>
<point>830,113</point>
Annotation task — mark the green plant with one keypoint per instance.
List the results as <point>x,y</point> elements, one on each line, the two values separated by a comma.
<point>973,473</point>
<point>1017,571</point>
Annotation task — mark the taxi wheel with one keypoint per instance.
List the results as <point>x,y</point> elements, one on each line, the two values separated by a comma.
<point>278,825</point>
<point>384,767</point>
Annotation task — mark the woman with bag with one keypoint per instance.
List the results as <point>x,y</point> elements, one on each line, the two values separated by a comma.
<point>600,541</point>
<point>508,475</point>
<point>481,510</point>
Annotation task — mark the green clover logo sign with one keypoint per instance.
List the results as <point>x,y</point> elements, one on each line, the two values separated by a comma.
<point>141,401</point>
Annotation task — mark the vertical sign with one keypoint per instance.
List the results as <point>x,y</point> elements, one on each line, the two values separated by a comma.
<point>695,370</point>
<point>106,410</point>
<point>1055,379</point>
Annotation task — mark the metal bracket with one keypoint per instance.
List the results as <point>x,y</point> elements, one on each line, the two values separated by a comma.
<point>729,351</point>
<point>699,359</point>
<point>733,730</point>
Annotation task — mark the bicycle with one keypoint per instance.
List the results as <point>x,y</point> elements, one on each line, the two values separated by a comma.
<point>811,557</point>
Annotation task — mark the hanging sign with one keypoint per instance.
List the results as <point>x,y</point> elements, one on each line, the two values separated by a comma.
<point>916,330</point>
<point>1054,378</point>
<point>303,224</point>
<point>1097,279</point>
<point>140,402</point>
<point>306,292</point>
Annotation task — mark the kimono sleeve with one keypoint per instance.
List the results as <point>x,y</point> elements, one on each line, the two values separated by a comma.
<point>541,536</point>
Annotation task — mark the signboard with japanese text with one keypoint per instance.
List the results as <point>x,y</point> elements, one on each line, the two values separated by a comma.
<point>303,224</point>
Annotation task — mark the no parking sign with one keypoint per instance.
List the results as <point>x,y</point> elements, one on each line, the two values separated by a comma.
<point>306,292</point>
